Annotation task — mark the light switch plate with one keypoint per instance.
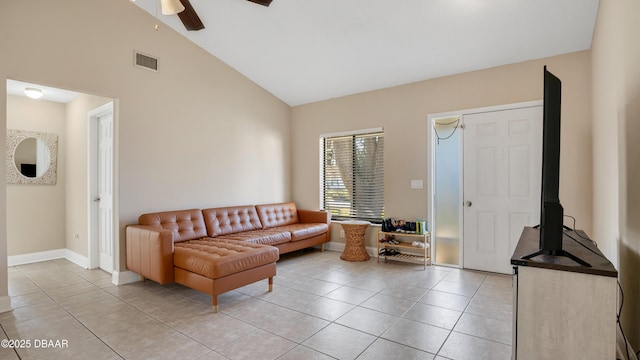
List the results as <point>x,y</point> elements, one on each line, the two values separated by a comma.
<point>417,184</point>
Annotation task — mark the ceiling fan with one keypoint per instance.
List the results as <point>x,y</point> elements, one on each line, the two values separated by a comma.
<point>188,14</point>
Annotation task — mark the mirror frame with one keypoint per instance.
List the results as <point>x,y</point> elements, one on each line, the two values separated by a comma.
<point>14,176</point>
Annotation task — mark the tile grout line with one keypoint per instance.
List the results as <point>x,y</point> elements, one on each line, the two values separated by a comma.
<point>341,284</point>
<point>67,310</point>
<point>7,336</point>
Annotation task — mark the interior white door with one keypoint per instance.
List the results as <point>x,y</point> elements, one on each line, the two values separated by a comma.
<point>105,192</point>
<point>502,162</point>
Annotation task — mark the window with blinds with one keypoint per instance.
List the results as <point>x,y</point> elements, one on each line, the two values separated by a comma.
<point>353,175</point>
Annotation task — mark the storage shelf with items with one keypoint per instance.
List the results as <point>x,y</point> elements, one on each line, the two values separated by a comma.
<point>391,246</point>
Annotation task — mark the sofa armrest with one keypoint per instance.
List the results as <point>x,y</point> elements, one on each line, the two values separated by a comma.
<point>150,252</point>
<point>311,216</point>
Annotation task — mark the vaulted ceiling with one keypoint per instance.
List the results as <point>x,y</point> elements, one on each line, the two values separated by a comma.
<point>304,51</point>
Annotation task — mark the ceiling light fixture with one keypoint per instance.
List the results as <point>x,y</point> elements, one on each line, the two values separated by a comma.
<point>33,93</point>
<point>171,7</point>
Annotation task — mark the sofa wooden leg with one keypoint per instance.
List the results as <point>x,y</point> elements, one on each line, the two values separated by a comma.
<point>215,304</point>
<point>322,247</point>
<point>270,284</point>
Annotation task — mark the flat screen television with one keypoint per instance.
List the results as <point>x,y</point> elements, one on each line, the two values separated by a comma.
<point>551,211</point>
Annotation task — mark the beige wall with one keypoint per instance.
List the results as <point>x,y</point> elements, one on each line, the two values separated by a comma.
<point>403,111</point>
<point>35,213</point>
<point>616,127</point>
<point>197,133</point>
<point>77,189</point>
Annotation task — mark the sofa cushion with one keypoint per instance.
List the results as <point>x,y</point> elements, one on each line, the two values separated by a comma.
<point>304,231</point>
<point>272,215</point>
<point>263,237</point>
<point>185,224</point>
<point>229,220</point>
<point>214,258</point>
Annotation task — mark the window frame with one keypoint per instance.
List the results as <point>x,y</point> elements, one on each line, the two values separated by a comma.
<point>322,160</point>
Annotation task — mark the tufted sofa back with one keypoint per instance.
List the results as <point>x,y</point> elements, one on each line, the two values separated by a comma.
<point>229,220</point>
<point>185,224</point>
<point>272,215</point>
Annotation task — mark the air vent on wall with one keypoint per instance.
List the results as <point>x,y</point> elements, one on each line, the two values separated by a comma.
<point>145,61</point>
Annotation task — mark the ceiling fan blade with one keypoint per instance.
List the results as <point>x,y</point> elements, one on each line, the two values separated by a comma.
<point>262,2</point>
<point>189,17</point>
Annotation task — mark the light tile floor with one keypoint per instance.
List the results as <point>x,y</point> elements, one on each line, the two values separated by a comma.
<point>321,308</point>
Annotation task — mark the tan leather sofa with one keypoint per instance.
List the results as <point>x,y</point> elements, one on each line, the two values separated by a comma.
<point>220,249</point>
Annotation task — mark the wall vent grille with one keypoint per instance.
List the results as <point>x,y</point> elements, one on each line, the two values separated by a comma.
<point>145,61</point>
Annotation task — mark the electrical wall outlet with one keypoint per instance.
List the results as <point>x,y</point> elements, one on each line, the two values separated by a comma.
<point>76,237</point>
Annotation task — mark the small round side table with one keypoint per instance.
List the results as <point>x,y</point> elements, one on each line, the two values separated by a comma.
<point>354,249</point>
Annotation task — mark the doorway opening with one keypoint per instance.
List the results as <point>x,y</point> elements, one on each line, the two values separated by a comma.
<point>65,210</point>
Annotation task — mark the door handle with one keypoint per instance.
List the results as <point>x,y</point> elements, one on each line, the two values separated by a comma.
<point>96,199</point>
<point>468,203</point>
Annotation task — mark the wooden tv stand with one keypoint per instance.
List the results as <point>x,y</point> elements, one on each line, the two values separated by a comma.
<point>563,310</point>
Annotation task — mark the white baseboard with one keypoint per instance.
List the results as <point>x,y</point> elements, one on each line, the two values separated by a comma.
<point>21,259</point>
<point>77,259</point>
<point>117,277</point>
<point>124,277</point>
<point>5,304</point>
<point>40,256</point>
<point>336,246</point>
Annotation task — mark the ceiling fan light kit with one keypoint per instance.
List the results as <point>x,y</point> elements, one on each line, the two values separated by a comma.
<point>171,7</point>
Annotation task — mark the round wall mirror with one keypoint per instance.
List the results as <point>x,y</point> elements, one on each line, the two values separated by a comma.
<point>32,157</point>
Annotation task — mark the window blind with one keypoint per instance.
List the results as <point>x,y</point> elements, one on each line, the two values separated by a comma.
<point>353,176</point>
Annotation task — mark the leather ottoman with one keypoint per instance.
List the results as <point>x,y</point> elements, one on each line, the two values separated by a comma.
<point>217,266</point>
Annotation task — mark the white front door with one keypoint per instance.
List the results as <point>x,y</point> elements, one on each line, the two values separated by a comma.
<point>501,192</point>
<point>105,191</point>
